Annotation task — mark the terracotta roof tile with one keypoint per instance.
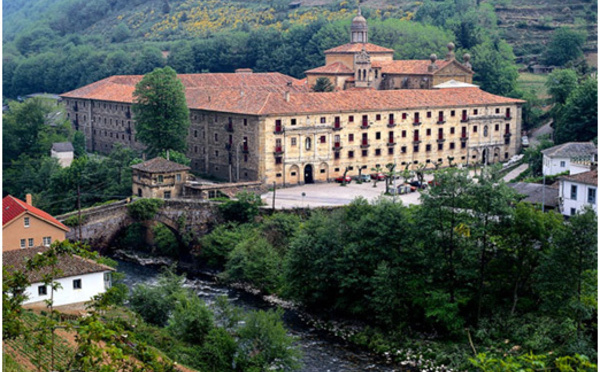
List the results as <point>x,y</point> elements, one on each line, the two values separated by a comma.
<point>69,265</point>
<point>588,178</point>
<point>334,68</point>
<point>160,165</point>
<point>409,67</point>
<point>13,208</point>
<point>357,47</point>
<point>120,88</point>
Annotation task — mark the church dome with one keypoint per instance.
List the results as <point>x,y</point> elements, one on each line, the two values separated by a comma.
<point>359,23</point>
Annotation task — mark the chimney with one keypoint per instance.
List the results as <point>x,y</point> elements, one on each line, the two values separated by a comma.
<point>208,98</point>
<point>289,83</point>
<point>286,95</point>
<point>28,199</point>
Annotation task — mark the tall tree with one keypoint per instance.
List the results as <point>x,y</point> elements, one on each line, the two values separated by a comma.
<point>323,84</point>
<point>578,120</point>
<point>161,112</point>
<point>566,45</point>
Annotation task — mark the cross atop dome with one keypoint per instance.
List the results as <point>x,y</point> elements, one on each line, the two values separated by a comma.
<point>359,31</point>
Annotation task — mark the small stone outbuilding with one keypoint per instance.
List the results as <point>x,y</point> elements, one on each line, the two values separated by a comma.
<point>159,178</point>
<point>64,152</point>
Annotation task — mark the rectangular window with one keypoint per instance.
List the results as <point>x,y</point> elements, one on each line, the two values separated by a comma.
<point>497,127</point>
<point>378,135</point>
<point>178,177</point>
<point>403,134</point>
<point>294,141</point>
<point>167,195</point>
<point>427,147</point>
<point>365,152</point>
<point>23,242</point>
<point>293,121</point>
<point>278,160</point>
<point>416,148</point>
<point>417,118</point>
<point>452,130</point>
<point>377,152</point>
<point>351,137</point>
<point>322,119</point>
<point>217,153</point>
<point>42,290</point>
<point>563,164</point>
<point>404,116</point>
<point>574,192</point>
<point>216,137</point>
<point>475,129</point>
<point>591,196</point>
<point>428,132</point>
<point>475,112</point>
<point>378,117</point>
<point>76,283</point>
<point>497,110</point>
<point>336,155</point>
<point>323,139</point>
<point>246,122</point>
<point>30,242</point>
<point>452,113</point>
<point>47,240</point>
<point>107,280</point>
<point>350,154</point>
<point>26,221</point>
<point>403,149</point>
<point>440,146</point>
<point>351,118</point>
<point>160,179</point>
<point>573,211</point>
<point>451,145</point>
<point>390,151</point>
<point>428,114</point>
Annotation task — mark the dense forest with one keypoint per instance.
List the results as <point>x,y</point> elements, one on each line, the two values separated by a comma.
<point>470,270</point>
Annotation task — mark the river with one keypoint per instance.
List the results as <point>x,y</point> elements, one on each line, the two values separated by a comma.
<point>321,352</point>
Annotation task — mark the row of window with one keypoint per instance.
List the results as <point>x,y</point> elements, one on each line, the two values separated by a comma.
<point>591,194</point>
<point>29,242</point>
<point>378,117</point>
<point>43,289</point>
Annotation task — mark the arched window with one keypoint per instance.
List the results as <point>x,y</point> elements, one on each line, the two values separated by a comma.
<point>485,131</point>
<point>307,143</point>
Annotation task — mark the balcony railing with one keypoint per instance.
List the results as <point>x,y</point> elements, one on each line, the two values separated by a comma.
<point>391,143</point>
<point>278,130</point>
<point>364,125</point>
<point>337,146</point>
<point>441,140</point>
<point>364,144</point>
<point>415,123</point>
<point>278,150</point>
<point>464,138</point>
<point>441,121</point>
<point>391,124</point>
<point>337,126</point>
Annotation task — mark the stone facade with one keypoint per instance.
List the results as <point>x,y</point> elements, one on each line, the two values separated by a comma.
<point>159,178</point>
<point>315,150</point>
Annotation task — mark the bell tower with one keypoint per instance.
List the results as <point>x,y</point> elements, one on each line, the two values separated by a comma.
<point>359,31</point>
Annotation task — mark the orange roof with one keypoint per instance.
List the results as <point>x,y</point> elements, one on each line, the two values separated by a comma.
<point>12,208</point>
<point>120,88</point>
<point>336,68</point>
<point>409,67</point>
<point>357,47</point>
<point>271,103</point>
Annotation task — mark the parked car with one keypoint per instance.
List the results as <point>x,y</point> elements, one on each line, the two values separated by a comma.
<point>378,176</point>
<point>418,184</point>
<point>362,178</point>
<point>342,179</point>
<point>525,141</point>
<point>402,189</point>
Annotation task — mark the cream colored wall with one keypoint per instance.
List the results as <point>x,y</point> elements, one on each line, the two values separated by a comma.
<point>345,58</point>
<point>13,232</point>
<point>321,156</point>
<point>336,80</point>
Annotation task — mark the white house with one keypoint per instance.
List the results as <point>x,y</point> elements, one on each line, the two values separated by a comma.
<point>81,279</point>
<point>575,157</point>
<point>64,152</point>
<point>577,191</point>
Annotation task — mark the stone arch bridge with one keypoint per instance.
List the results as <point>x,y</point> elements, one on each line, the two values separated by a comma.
<point>102,224</point>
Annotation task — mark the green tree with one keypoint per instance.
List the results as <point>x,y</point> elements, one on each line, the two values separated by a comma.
<point>578,121</point>
<point>560,84</point>
<point>242,210</point>
<point>494,67</point>
<point>566,45</point>
<point>191,320</point>
<point>161,113</point>
<point>155,303</point>
<point>323,84</point>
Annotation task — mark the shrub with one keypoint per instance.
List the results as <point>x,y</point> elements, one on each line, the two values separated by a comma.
<point>155,303</point>
<point>165,241</point>
<point>191,319</point>
<point>242,210</point>
<point>218,351</point>
<point>217,245</point>
<point>144,209</point>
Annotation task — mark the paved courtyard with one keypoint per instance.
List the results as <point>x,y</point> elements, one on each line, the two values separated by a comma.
<point>331,194</point>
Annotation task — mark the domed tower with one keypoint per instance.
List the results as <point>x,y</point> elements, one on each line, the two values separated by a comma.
<point>359,31</point>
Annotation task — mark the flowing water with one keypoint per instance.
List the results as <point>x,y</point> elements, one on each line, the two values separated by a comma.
<point>321,352</point>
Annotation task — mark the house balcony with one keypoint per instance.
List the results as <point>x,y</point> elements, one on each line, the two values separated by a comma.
<point>364,144</point>
<point>337,126</point>
<point>417,123</point>
<point>278,130</point>
<point>278,150</point>
<point>391,143</point>
<point>365,126</point>
<point>391,124</point>
<point>441,140</point>
<point>464,138</point>
<point>441,121</point>
<point>337,146</point>
<point>416,141</point>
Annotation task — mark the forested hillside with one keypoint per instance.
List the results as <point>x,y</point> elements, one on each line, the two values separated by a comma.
<point>58,45</point>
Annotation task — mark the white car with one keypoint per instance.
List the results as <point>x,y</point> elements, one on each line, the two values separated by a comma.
<point>525,141</point>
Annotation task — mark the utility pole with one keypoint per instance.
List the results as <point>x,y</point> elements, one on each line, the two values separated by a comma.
<point>79,209</point>
<point>274,190</point>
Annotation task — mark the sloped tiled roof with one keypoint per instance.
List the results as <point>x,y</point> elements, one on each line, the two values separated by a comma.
<point>536,193</point>
<point>588,178</point>
<point>69,265</point>
<point>333,68</point>
<point>571,150</point>
<point>412,66</point>
<point>13,208</point>
<point>160,165</point>
<point>62,147</point>
<point>120,88</point>
<point>357,47</point>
